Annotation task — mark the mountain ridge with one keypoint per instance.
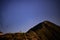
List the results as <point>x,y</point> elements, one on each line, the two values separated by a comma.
<point>45,30</point>
<point>45,22</point>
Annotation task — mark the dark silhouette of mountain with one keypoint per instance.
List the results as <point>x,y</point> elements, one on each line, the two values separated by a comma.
<point>43,31</point>
<point>46,31</point>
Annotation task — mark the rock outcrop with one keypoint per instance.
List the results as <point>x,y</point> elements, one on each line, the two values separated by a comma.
<point>46,31</point>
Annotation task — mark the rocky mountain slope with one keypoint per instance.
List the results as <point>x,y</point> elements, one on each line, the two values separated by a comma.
<point>46,31</point>
<point>42,31</point>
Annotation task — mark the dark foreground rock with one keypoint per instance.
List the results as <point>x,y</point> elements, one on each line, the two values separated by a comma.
<point>42,31</point>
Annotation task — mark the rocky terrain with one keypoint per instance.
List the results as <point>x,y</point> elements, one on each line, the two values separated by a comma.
<point>42,31</point>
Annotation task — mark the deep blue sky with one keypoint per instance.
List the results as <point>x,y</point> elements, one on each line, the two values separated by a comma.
<point>21,15</point>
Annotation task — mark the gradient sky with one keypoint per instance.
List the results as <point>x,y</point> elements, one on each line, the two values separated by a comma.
<point>21,15</point>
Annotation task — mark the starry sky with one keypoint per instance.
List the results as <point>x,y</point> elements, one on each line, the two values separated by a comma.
<point>21,15</point>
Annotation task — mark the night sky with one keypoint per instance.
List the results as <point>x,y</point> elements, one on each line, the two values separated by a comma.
<point>21,15</point>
